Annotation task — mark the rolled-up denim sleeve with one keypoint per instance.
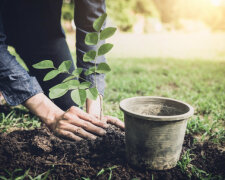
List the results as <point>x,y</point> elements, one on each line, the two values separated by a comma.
<point>86,11</point>
<point>16,84</point>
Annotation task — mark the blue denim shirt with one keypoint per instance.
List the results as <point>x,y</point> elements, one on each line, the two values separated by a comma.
<point>17,85</point>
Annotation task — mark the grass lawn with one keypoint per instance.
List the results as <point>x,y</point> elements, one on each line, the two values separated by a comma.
<point>198,82</point>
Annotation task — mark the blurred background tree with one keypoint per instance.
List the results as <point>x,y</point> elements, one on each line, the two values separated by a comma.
<point>122,13</point>
<point>171,14</point>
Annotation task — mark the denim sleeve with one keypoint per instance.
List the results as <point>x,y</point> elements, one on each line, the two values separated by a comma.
<point>16,84</point>
<point>86,11</point>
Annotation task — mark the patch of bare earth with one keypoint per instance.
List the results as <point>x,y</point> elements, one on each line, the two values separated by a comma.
<point>39,150</point>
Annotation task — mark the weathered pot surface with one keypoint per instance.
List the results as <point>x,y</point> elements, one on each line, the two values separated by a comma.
<point>154,130</point>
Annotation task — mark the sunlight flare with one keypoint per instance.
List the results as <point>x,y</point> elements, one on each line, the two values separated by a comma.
<point>216,2</point>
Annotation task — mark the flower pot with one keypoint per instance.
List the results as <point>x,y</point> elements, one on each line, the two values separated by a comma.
<point>154,130</point>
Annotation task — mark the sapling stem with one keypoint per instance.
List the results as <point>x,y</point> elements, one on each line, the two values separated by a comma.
<point>100,97</point>
<point>101,107</point>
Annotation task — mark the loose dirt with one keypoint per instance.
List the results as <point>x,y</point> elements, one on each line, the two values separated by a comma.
<point>39,151</point>
<point>158,110</point>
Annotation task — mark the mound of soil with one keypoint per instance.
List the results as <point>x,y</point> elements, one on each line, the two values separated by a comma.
<point>39,150</point>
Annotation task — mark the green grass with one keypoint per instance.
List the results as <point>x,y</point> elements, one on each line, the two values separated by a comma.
<point>191,170</point>
<point>24,175</point>
<point>18,118</point>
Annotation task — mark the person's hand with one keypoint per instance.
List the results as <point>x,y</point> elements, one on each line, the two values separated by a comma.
<point>77,124</point>
<point>74,123</point>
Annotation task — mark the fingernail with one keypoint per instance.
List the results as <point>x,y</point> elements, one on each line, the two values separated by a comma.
<point>105,125</point>
<point>103,132</point>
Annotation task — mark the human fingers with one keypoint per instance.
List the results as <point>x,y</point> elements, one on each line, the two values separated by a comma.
<point>67,134</point>
<point>88,117</point>
<point>115,121</point>
<point>71,118</point>
<point>77,130</point>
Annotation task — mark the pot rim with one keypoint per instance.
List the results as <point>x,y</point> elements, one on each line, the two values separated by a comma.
<point>179,117</point>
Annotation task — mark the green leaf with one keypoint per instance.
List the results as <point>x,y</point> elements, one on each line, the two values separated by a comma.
<point>104,49</point>
<point>58,90</point>
<point>91,70</point>
<point>68,78</point>
<point>51,75</point>
<point>77,72</point>
<point>22,176</point>
<point>46,175</point>
<point>40,176</point>
<point>92,93</point>
<point>110,175</point>
<point>103,68</point>
<point>107,32</point>
<point>72,84</point>
<point>79,96</point>
<point>101,172</point>
<point>17,170</point>
<point>111,168</point>
<point>84,178</point>
<point>91,38</point>
<point>46,64</point>
<point>89,56</point>
<point>65,66</point>
<point>97,25</point>
<point>84,85</point>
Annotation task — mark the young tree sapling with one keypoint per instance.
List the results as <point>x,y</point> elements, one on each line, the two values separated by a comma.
<point>81,91</point>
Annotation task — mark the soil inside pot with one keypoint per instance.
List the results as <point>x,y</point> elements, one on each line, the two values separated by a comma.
<point>39,150</point>
<point>157,110</point>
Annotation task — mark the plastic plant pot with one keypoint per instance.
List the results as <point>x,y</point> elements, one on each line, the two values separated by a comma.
<point>154,130</point>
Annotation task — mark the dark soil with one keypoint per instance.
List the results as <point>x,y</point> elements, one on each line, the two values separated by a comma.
<point>38,150</point>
